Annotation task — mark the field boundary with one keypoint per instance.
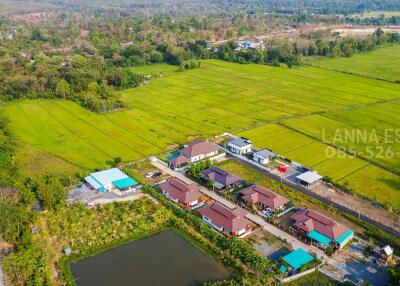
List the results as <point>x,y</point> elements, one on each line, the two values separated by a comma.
<point>343,149</point>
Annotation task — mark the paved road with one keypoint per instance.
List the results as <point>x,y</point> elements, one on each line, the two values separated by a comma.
<point>316,196</point>
<point>294,242</point>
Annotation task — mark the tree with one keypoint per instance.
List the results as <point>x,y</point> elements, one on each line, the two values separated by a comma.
<point>63,89</point>
<point>394,276</point>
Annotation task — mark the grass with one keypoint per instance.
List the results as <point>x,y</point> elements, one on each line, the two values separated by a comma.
<point>381,63</point>
<point>314,279</point>
<point>381,185</point>
<point>216,98</point>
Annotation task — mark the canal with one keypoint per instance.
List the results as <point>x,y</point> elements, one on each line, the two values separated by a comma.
<point>163,259</point>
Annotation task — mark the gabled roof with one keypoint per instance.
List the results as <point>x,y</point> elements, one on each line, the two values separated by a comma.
<point>220,175</point>
<point>180,160</point>
<point>198,147</point>
<point>256,193</point>
<point>309,220</point>
<point>99,179</point>
<point>178,189</point>
<point>309,177</point>
<point>265,153</point>
<point>232,220</point>
<point>107,176</point>
<point>387,250</point>
<point>240,142</point>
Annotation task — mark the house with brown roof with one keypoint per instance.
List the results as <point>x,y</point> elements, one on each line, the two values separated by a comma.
<point>321,229</point>
<point>231,222</point>
<point>194,152</point>
<point>186,195</point>
<point>221,178</point>
<point>260,197</point>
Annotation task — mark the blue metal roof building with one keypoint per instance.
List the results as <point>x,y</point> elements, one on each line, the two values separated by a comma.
<point>109,179</point>
<point>298,258</point>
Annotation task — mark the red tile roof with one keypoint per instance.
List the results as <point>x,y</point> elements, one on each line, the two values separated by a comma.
<point>180,160</point>
<point>232,220</point>
<point>309,220</point>
<point>196,148</point>
<point>255,194</point>
<point>178,189</point>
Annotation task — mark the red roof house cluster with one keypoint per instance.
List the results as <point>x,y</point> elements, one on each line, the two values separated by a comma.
<point>228,221</point>
<point>307,220</point>
<point>260,196</point>
<point>187,195</point>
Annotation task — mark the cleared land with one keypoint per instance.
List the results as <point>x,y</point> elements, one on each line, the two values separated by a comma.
<point>218,97</point>
<point>381,63</point>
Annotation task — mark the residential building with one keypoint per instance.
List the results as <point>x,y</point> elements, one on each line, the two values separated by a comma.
<point>308,178</point>
<point>199,150</point>
<point>263,156</point>
<point>239,146</point>
<point>111,179</point>
<point>186,195</point>
<point>321,229</point>
<point>192,153</point>
<point>221,178</point>
<point>230,222</point>
<point>261,198</point>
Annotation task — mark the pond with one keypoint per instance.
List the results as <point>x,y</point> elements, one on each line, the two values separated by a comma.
<point>163,259</point>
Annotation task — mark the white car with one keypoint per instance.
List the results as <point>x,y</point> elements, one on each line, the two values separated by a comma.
<point>149,175</point>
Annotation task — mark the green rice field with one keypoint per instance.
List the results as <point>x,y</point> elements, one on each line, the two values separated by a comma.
<point>381,63</point>
<point>361,176</point>
<point>218,97</point>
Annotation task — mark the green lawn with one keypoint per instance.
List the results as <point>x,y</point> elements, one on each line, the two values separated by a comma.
<point>215,98</point>
<point>382,63</point>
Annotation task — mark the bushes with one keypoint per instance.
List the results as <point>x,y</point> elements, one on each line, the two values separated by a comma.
<point>237,248</point>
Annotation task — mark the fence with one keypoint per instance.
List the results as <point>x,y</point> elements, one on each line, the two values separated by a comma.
<point>306,191</point>
<point>296,276</point>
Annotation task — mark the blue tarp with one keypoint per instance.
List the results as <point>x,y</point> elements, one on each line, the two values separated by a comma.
<point>173,156</point>
<point>344,236</point>
<point>315,235</point>
<point>298,258</point>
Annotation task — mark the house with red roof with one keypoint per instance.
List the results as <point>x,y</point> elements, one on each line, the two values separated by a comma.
<point>186,195</point>
<point>231,222</point>
<point>260,197</point>
<point>321,229</point>
<point>193,152</point>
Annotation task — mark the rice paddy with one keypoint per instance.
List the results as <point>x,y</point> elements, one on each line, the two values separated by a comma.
<point>218,97</point>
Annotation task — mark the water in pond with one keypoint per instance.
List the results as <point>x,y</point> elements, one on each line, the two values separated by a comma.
<point>164,259</point>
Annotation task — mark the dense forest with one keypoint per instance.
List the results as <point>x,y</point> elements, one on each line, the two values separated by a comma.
<point>190,7</point>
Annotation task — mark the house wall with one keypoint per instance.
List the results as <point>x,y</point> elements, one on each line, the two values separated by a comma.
<point>239,150</point>
<point>346,241</point>
<point>202,156</point>
<point>209,221</point>
<point>261,160</point>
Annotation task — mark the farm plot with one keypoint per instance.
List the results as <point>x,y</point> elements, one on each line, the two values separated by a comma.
<point>215,98</point>
<point>372,131</point>
<point>362,177</point>
<point>381,63</point>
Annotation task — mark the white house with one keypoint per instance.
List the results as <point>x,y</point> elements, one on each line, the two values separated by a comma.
<point>239,146</point>
<point>263,156</point>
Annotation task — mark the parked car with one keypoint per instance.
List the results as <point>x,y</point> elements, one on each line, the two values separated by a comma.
<point>149,175</point>
<point>156,175</point>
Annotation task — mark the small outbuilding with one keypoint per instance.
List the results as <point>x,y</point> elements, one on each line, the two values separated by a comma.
<point>309,178</point>
<point>295,259</point>
<point>263,156</point>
